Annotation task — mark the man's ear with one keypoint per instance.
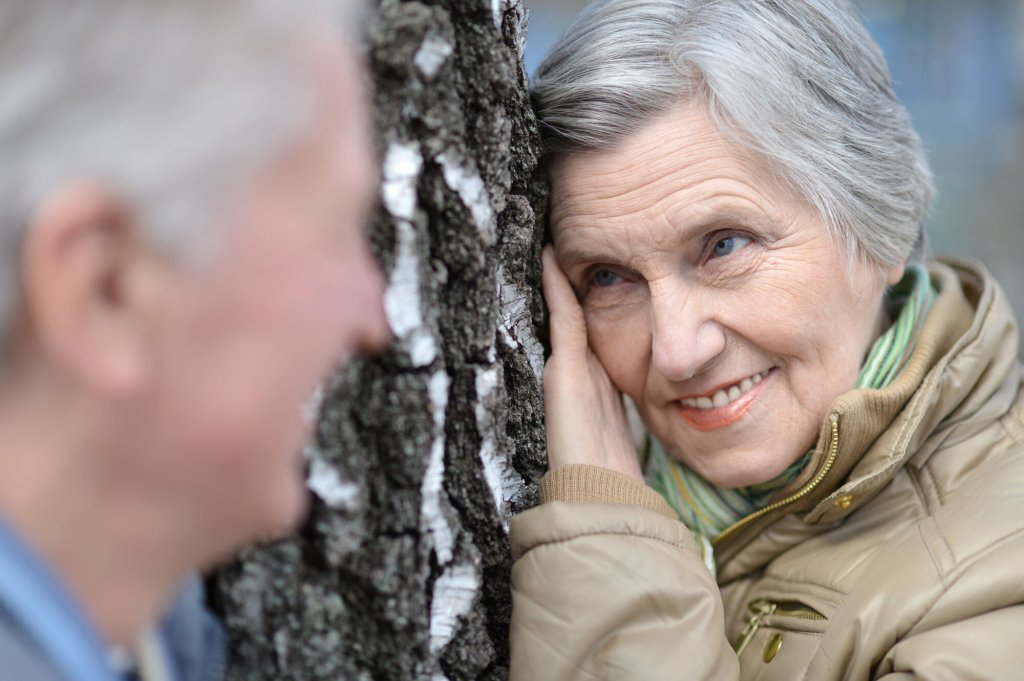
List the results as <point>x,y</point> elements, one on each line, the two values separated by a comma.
<point>894,274</point>
<point>86,289</point>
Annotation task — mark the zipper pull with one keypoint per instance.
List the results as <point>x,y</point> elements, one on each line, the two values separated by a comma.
<point>760,608</point>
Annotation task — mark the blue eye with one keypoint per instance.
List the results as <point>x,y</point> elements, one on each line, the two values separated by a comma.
<point>729,245</point>
<point>605,278</point>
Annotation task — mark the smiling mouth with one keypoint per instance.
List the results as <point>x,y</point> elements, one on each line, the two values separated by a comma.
<point>725,406</point>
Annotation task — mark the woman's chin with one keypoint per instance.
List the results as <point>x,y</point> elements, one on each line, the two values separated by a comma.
<point>739,469</point>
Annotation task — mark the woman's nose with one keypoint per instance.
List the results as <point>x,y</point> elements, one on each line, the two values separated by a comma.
<point>684,335</point>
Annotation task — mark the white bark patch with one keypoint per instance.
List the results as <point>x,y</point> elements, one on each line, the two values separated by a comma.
<point>454,592</point>
<point>470,188</point>
<point>497,12</point>
<point>422,349</point>
<point>323,478</point>
<point>433,479</point>
<point>522,29</point>
<point>432,54</point>
<point>516,326</point>
<point>402,165</point>
<point>402,299</point>
<point>325,482</point>
<point>505,483</point>
<point>281,646</point>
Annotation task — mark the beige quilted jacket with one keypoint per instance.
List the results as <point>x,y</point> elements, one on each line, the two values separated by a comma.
<point>898,554</point>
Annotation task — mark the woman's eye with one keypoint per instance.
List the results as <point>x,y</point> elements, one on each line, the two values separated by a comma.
<point>729,245</point>
<point>605,278</point>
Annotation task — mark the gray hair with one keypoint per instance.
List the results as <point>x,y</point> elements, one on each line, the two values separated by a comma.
<point>799,82</point>
<point>171,104</point>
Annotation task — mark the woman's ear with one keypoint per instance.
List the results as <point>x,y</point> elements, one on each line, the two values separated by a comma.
<point>84,288</point>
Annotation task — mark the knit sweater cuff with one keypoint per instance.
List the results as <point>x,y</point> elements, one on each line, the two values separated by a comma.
<point>581,483</point>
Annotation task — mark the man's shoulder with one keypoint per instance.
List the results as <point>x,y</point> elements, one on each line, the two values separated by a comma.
<point>22,658</point>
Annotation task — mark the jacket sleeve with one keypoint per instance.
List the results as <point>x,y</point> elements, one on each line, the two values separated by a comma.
<point>608,590</point>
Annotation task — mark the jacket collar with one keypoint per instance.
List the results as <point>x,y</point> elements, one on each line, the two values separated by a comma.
<point>964,366</point>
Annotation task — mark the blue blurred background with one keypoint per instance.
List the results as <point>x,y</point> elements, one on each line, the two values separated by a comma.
<point>958,66</point>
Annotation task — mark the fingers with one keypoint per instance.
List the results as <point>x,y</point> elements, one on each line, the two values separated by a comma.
<point>585,420</point>
<point>568,326</point>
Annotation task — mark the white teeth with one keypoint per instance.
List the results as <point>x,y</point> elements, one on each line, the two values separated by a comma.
<point>725,395</point>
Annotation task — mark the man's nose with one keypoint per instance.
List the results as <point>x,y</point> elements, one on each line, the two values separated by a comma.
<point>685,337</point>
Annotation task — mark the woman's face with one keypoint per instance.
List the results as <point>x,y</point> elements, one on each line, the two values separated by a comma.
<point>713,296</point>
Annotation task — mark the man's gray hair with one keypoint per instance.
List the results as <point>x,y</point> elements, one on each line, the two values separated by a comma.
<point>800,82</point>
<point>170,104</point>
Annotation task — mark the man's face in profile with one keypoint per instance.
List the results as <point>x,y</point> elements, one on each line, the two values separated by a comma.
<point>245,340</point>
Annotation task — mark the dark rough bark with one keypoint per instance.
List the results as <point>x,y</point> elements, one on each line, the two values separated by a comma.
<point>422,454</point>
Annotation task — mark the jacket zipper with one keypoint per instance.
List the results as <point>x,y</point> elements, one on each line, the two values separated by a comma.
<point>760,609</point>
<point>799,494</point>
<point>763,608</point>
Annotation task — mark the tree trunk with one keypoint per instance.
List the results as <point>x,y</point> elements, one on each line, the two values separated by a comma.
<point>422,454</point>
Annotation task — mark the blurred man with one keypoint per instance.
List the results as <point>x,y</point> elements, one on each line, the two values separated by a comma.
<point>183,190</point>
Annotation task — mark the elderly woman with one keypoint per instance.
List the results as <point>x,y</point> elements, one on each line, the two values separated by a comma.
<point>832,480</point>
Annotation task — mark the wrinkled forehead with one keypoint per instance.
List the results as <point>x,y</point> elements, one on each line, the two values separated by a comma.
<point>680,151</point>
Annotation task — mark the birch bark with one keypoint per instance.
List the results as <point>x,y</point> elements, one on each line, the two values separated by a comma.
<point>422,454</point>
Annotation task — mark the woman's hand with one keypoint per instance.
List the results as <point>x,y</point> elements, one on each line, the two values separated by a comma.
<point>586,421</point>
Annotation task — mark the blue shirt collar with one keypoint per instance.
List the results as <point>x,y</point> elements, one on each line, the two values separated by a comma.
<point>39,603</point>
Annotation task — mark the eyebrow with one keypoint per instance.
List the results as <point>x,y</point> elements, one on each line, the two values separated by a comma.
<point>575,253</point>
<point>573,256</point>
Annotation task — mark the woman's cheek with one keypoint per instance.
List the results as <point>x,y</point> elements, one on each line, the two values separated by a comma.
<point>612,302</point>
<point>610,326</point>
<point>620,337</point>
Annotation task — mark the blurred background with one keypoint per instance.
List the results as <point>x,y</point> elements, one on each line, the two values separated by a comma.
<point>958,66</point>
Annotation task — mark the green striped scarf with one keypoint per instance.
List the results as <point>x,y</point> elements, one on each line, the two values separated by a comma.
<point>707,509</point>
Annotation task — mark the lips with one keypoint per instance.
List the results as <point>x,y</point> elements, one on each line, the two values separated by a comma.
<point>725,406</point>
<point>724,396</point>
